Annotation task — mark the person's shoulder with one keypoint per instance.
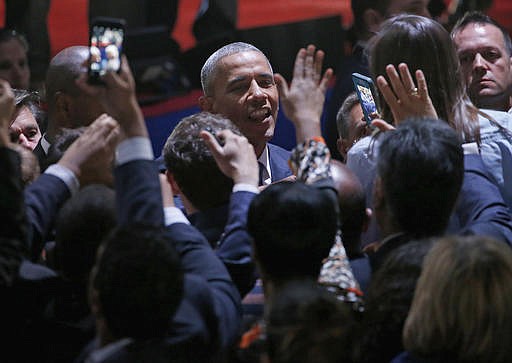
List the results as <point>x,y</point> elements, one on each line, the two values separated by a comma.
<point>486,117</point>
<point>365,150</point>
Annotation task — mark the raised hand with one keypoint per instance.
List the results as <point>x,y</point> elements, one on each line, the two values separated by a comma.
<point>119,99</point>
<point>303,100</point>
<point>235,157</point>
<point>6,110</point>
<point>403,97</point>
<point>90,157</point>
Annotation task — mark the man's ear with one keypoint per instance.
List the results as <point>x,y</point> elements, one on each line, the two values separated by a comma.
<point>63,107</point>
<point>206,103</point>
<point>174,186</point>
<point>372,20</point>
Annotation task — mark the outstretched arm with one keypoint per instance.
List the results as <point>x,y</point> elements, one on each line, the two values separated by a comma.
<point>237,160</point>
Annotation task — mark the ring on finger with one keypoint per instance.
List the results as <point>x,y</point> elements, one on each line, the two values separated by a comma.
<point>414,91</point>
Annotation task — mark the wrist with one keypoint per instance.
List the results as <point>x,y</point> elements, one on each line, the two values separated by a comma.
<point>246,179</point>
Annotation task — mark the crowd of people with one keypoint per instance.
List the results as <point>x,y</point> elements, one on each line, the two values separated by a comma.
<point>228,248</point>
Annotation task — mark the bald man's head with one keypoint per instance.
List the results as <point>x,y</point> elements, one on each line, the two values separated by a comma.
<point>67,106</point>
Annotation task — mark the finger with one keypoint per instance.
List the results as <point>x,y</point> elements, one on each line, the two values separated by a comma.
<point>324,84</point>
<point>115,81</point>
<point>396,82</point>
<point>113,136</point>
<point>212,144</point>
<point>387,92</point>
<point>5,87</point>
<point>126,71</point>
<point>422,84</point>
<point>382,125</point>
<point>298,68</point>
<point>319,61</point>
<point>309,62</point>
<point>406,77</point>
<point>282,85</point>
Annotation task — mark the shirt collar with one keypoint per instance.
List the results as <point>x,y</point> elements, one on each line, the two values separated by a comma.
<point>265,160</point>
<point>45,144</point>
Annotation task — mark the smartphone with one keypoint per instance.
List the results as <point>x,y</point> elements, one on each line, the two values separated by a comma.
<point>365,89</point>
<point>106,37</point>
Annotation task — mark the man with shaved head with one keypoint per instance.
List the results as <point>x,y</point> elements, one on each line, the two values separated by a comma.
<point>68,107</point>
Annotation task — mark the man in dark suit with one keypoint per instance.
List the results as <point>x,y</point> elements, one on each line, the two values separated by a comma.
<point>215,198</point>
<point>207,319</point>
<point>238,82</point>
<point>421,171</point>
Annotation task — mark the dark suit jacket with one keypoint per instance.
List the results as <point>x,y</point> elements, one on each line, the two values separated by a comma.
<point>278,162</point>
<point>209,314</point>
<point>25,288</point>
<point>43,199</point>
<point>225,229</point>
<point>480,210</point>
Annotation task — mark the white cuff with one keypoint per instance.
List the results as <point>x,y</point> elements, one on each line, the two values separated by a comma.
<point>174,215</point>
<point>67,176</point>
<point>242,187</point>
<point>470,148</point>
<point>134,148</point>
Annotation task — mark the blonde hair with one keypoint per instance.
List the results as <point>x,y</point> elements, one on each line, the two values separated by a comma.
<point>462,306</point>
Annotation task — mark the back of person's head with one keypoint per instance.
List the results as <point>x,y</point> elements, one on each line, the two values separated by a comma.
<point>461,307</point>
<point>136,283</point>
<point>192,164</point>
<point>209,69</point>
<point>387,303</point>
<point>81,224</point>
<point>359,7</point>
<point>419,170</point>
<point>423,43</point>
<point>63,70</point>
<point>477,17</point>
<point>68,105</point>
<point>7,34</point>
<point>305,323</point>
<point>293,226</point>
<point>352,206</point>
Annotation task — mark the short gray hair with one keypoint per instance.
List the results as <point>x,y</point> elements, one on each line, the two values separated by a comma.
<point>210,66</point>
<point>343,115</point>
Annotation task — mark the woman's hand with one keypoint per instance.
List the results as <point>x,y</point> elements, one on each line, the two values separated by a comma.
<point>403,97</point>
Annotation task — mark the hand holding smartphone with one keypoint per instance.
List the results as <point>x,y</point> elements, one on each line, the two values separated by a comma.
<point>367,95</point>
<point>106,37</point>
